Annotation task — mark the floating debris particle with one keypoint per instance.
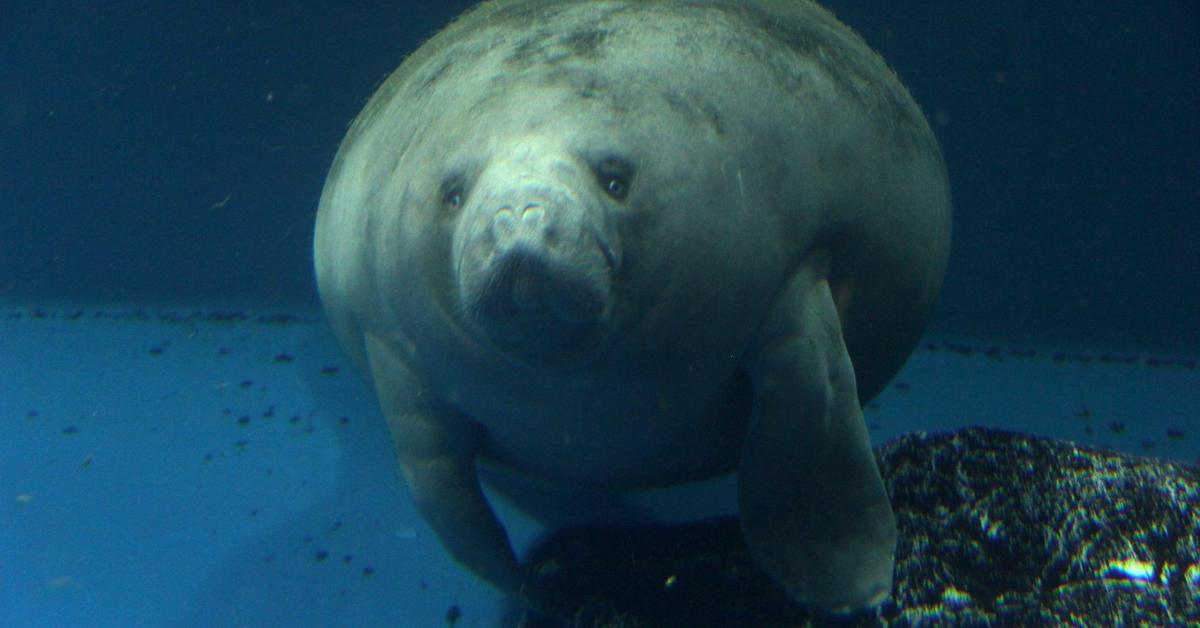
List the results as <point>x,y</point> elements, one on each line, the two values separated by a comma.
<point>221,203</point>
<point>87,461</point>
<point>285,358</point>
<point>24,498</point>
<point>343,420</point>
<point>246,383</point>
<point>32,414</point>
<point>347,559</point>
<point>269,412</point>
<point>1174,433</point>
<point>243,420</point>
<point>368,571</point>
<point>156,351</point>
<point>320,555</point>
<point>453,614</point>
<point>1117,427</point>
<point>208,457</point>
<point>222,351</point>
<point>70,429</point>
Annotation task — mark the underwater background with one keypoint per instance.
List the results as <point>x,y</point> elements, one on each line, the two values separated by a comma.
<point>182,443</point>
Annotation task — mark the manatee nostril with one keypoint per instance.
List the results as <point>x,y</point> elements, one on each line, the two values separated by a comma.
<point>504,221</point>
<point>532,214</point>
<point>534,223</point>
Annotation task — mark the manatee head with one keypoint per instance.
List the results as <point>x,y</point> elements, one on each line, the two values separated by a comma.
<point>534,253</point>
<point>562,204</point>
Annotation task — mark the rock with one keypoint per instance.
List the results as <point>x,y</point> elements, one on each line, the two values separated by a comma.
<point>996,528</point>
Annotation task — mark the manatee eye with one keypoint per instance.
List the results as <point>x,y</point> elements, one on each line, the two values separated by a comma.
<point>452,193</point>
<point>615,175</point>
<point>616,188</point>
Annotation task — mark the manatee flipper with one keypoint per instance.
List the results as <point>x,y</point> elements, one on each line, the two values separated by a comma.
<point>436,450</point>
<point>814,510</point>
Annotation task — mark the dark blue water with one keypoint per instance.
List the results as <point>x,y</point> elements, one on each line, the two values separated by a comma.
<point>170,157</point>
<point>153,152</point>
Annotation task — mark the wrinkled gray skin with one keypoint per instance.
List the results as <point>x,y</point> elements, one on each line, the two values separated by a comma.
<point>633,243</point>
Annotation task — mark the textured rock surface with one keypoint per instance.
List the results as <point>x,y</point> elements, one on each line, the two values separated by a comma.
<point>995,528</point>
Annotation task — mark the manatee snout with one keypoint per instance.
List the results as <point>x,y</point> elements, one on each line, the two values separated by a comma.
<point>534,270</point>
<point>531,272</point>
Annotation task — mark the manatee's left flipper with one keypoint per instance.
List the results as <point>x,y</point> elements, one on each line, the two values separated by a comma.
<point>436,449</point>
<point>813,506</point>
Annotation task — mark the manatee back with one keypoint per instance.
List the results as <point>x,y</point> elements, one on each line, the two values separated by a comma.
<point>888,197</point>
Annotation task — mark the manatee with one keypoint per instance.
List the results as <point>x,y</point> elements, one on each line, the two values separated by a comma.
<point>632,243</point>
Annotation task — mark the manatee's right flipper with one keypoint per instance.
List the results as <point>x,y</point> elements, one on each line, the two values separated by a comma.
<point>436,449</point>
<point>814,509</point>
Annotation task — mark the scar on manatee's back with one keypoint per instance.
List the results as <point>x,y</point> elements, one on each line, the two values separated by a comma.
<point>545,47</point>
<point>696,108</point>
<point>586,43</point>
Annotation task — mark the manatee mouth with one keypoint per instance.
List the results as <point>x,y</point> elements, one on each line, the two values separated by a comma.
<point>523,284</point>
<point>534,307</point>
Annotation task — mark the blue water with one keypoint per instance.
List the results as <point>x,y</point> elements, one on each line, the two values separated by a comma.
<point>167,160</point>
